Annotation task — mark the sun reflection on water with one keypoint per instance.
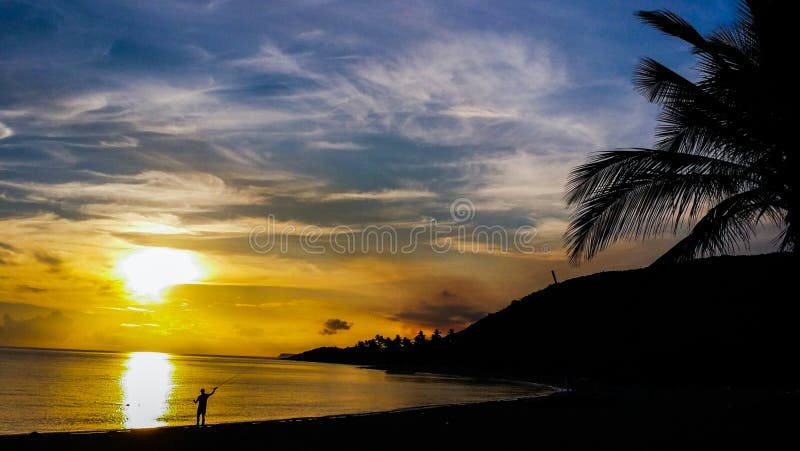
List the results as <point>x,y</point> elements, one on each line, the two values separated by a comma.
<point>146,387</point>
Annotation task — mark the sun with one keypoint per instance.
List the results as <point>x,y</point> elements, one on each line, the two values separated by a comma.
<point>148,271</point>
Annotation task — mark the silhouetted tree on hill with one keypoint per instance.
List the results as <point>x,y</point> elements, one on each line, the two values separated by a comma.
<point>719,321</point>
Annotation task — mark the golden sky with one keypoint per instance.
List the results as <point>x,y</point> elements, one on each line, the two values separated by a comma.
<point>71,289</point>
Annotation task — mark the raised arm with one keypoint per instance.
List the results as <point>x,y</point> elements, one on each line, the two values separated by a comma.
<point>213,391</point>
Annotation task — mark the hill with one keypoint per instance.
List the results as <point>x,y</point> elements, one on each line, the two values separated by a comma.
<point>716,321</point>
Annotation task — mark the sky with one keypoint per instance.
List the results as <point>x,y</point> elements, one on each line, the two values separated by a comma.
<point>234,157</point>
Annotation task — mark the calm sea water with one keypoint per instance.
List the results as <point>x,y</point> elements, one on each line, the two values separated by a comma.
<point>43,390</point>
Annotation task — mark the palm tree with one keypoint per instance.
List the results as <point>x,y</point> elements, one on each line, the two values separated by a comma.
<point>721,164</point>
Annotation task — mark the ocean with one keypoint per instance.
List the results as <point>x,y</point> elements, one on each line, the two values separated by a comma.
<point>50,390</point>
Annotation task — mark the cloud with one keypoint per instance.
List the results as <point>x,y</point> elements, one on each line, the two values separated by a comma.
<point>73,107</point>
<point>47,259</point>
<point>47,330</point>
<point>5,131</point>
<point>468,112</point>
<point>519,180</point>
<point>151,190</point>
<point>449,310</point>
<point>30,289</point>
<point>329,145</point>
<point>272,59</point>
<point>385,195</point>
<point>333,326</point>
<point>123,142</point>
<point>7,253</point>
<point>458,89</point>
<point>311,34</point>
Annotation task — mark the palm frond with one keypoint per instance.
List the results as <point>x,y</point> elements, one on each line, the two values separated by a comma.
<point>693,120</point>
<point>726,227</point>
<point>640,193</point>
<point>660,84</point>
<point>673,25</point>
<point>607,168</point>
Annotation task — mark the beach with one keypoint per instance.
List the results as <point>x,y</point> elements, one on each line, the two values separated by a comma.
<point>667,420</point>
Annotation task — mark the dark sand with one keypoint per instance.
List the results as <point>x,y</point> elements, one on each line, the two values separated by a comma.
<point>561,421</point>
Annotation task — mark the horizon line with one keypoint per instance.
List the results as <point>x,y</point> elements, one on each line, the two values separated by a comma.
<point>108,351</point>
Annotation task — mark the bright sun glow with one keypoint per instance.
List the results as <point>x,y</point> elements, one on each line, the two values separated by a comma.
<point>147,272</point>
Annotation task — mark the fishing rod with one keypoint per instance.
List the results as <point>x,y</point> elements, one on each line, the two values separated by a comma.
<point>228,379</point>
<point>233,377</point>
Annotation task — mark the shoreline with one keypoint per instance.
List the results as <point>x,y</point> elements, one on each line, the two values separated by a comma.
<point>566,420</point>
<point>290,419</point>
<point>543,391</point>
<point>169,429</point>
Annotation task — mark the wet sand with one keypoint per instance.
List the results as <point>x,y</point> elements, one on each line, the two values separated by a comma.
<point>561,421</point>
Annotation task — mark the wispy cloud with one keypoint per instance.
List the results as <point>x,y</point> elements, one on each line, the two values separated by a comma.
<point>176,192</point>
<point>5,131</point>
<point>469,112</point>
<point>329,145</point>
<point>122,143</point>
<point>385,195</point>
<point>271,59</point>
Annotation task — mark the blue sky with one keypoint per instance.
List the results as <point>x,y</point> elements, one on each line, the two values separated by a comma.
<point>426,100</point>
<point>186,123</point>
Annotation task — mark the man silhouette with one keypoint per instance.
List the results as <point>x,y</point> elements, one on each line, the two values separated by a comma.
<point>201,402</point>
